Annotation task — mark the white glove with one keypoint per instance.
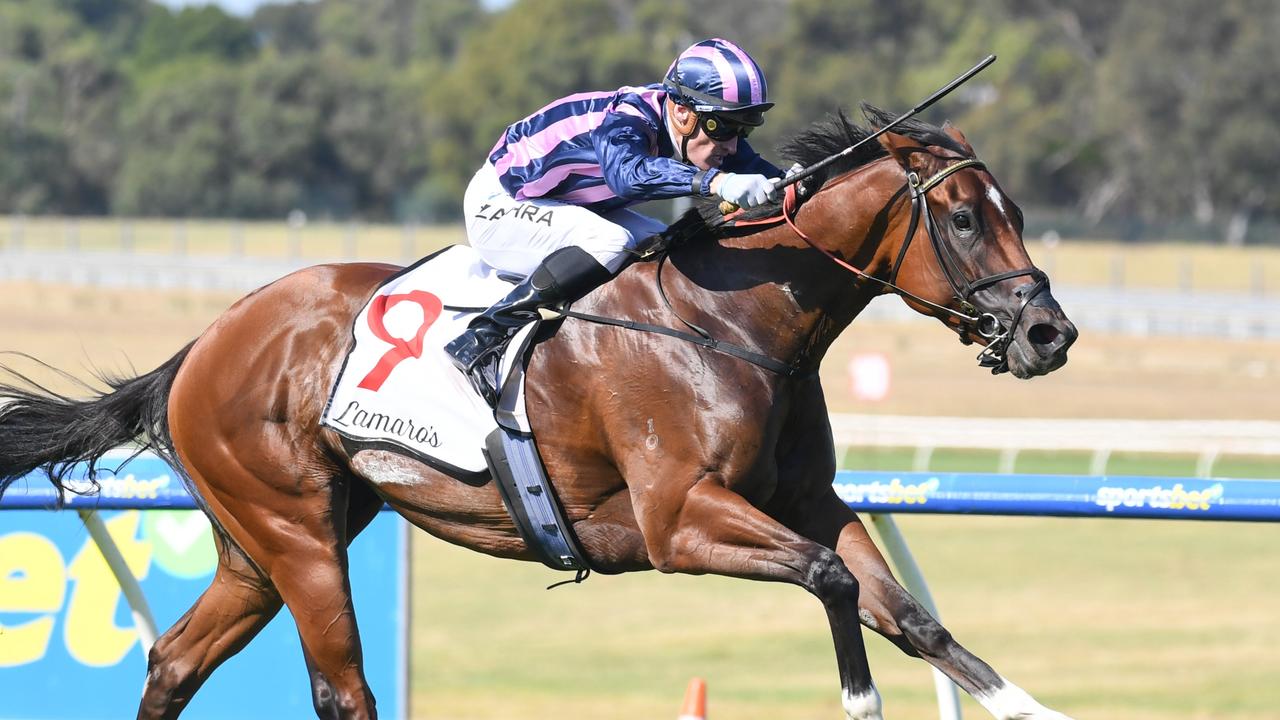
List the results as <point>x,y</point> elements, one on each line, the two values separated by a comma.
<point>746,191</point>
<point>800,186</point>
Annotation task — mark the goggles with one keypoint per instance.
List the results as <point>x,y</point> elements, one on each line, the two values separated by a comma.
<point>720,128</point>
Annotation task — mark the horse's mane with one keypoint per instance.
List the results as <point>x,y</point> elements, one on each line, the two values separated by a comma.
<point>822,139</point>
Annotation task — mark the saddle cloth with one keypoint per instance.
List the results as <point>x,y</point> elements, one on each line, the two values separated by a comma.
<point>398,388</point>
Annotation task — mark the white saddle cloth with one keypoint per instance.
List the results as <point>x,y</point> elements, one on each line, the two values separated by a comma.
<point>398,387</point>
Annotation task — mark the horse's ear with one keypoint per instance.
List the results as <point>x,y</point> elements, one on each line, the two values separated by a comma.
<point>899,146</point>
<point>954,133</point>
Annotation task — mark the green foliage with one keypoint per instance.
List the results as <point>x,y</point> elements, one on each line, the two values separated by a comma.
<point>199,31</point>
<point>384,108</point>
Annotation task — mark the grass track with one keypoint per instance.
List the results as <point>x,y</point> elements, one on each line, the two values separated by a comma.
<point>1101,619</point>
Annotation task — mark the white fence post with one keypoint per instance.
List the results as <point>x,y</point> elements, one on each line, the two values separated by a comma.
<point>913,580</point>
<point>142,619</point>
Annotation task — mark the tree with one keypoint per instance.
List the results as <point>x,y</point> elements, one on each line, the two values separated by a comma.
<point>204,31</point>
<point>1190,110</point>
<point>179,150</point>
<point>59,98</point>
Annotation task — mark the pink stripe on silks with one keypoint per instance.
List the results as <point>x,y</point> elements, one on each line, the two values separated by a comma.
<point>753,77</point>
<point>573,98</point>
<point>651,97</point>
<point>728,80</point>
<point>586,196</point>
<point>555,176</point>
<point>632,110</point>
<point>543,142</point>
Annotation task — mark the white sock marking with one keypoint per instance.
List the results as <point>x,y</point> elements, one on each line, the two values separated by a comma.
<point>862,707</point>
<point>1011,702</point>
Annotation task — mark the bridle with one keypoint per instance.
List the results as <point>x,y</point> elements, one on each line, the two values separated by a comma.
<point>987,325</point>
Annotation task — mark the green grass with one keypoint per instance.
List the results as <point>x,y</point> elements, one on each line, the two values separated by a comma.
<point>1101,619</point>
<point>1097,618</point>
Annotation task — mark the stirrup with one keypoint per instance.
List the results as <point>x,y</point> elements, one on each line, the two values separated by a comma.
<point>478,373</point>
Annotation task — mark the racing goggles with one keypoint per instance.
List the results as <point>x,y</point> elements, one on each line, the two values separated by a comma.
<point>721,129</point>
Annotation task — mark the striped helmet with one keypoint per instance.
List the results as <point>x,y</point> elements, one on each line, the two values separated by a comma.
<point>717,76</point>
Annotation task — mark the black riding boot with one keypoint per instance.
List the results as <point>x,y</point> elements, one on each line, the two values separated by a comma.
<point>564,276</point>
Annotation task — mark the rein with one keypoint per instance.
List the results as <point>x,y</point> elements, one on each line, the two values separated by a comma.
<point>987,325</point>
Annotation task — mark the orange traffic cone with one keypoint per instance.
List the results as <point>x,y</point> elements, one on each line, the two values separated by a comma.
<point>695,701</point>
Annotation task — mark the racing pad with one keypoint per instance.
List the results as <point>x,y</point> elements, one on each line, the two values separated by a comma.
<point>398,389</point>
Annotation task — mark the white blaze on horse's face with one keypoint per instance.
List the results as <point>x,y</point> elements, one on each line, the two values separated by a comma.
<point>997,199</point>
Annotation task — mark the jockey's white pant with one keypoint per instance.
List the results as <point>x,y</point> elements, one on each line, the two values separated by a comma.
<point>514,236</point>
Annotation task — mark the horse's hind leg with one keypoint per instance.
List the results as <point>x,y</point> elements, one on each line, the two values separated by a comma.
<point>298,538</point>
<point>236,606</point>
<point>224,619</point>
<point>363,505</point>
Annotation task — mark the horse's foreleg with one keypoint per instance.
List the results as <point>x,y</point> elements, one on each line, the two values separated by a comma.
<point>887,608</point>
<point>890,610</point>
<point>716,531</point>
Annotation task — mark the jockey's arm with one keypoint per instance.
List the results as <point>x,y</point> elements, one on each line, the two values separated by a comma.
<point>624,145</point>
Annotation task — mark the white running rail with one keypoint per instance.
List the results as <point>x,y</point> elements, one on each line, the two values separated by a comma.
<point>1206,439</point>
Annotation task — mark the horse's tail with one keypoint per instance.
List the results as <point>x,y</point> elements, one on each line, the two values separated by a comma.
<point>44,430</point>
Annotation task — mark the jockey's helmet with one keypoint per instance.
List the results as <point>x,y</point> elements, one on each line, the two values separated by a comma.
<point>717,76</point>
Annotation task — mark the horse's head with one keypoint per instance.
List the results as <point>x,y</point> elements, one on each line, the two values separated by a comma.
<point>959,256</point>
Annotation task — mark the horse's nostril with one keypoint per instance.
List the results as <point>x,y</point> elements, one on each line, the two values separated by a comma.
<point>1042,334</point>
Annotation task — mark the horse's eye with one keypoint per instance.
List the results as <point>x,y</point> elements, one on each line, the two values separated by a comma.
<point>963,221</point>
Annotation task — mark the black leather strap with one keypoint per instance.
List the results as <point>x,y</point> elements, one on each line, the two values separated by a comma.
<point>702,181</point>
<point>754,358</point>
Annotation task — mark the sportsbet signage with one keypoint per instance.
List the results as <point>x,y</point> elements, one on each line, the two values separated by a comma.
<point>68,646</point>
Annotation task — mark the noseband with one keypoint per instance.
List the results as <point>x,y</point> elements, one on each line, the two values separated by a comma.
<point>987,325</point>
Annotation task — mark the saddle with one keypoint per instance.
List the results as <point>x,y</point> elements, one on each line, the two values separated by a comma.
<point>398,391</point>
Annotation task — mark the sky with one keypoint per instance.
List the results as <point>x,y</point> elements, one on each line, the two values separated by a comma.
<point>235,7</point>
<point>245,8</point>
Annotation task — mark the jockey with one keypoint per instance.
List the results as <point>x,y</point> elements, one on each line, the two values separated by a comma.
<point>550,204</point>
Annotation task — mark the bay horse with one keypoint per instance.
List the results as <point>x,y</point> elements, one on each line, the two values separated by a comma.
<point>665,454</point>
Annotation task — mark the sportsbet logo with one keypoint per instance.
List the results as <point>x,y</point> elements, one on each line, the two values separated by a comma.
<point>43,585</point>
<point>1159,497</point>
<point>894,492</point>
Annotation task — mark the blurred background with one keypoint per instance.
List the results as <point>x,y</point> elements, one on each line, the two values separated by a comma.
<point>159,160</point>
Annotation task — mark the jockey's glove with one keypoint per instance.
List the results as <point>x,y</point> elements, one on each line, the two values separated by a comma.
<point>747,191</point>
<point>801,190</point>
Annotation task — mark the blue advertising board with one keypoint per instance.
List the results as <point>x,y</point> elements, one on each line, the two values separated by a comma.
<point>68,646</point>
<point>1168,498</point>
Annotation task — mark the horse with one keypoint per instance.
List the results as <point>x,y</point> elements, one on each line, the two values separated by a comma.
<point>666,454</point>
